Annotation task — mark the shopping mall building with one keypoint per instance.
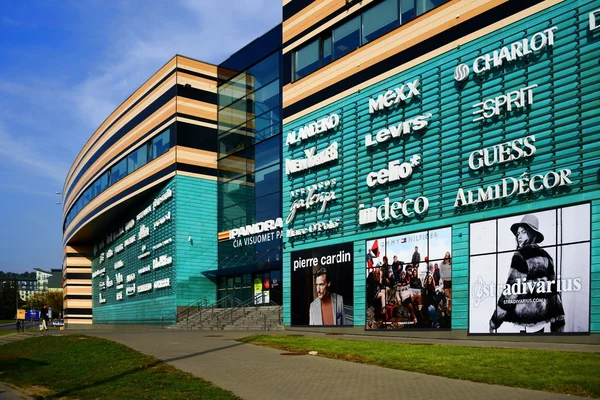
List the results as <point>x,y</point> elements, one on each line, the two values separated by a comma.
<point>401,167</point>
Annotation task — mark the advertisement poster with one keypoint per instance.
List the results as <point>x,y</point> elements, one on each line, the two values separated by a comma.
<point>323,286</point>
<point>409,281</point>
<point>530,273</point>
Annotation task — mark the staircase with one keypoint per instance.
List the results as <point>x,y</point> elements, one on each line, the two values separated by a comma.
<point>241,317</point>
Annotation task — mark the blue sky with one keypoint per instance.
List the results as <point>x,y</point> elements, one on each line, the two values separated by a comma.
<point>64,66</point>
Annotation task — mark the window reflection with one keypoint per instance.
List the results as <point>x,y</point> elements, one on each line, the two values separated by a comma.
<point>139,157</point>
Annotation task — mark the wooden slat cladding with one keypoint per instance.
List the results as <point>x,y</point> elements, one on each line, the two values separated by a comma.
<point>130,180</point>
<point>140,92</point>
<point>198,67</point>
<point>78,291</point>
<point>408,36</point>
<point>152,125</point>
<point>78,262</point>
<point>313,15</point>
<point>197,157</point>
<point>199,76</point>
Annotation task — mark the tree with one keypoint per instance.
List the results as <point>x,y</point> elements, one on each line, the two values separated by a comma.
<point>8,299</point>
<point>54,299</point>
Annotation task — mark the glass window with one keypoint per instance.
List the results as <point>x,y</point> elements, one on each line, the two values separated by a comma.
<point>160,144</point>
<point>87,196</point>
<point>137,159</point>
<point>268,152</point>
<point>264,72</point>
<point>425,5</point>
<point>327,53</point>
<point>407,9</point>
<point>268,180</point>
<point>266,98</point>
<point>268,207</point>
<point>306,59</point>
<point>379,20</point>
<point>232,91</point>
<point>236,191</point>
<point>346,38</point>
<point>267,124</point>
<point>118,171</point>
<point>103,181</point>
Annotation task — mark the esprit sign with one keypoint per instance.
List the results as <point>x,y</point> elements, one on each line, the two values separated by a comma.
<point>512,52</point>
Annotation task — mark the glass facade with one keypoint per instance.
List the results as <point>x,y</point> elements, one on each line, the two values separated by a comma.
<point>371,24</point>
<point>249,190</point>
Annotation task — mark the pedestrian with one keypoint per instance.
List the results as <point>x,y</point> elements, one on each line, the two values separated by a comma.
<point>44,317</point>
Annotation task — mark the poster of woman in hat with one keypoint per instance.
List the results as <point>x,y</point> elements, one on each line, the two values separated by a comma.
<point>530,273</point>
<point>536,306</point>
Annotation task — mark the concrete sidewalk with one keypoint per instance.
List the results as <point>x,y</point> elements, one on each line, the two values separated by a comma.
<point>254,372</point>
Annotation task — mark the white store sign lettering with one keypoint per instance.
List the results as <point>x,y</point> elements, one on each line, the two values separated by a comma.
<point>502,153</point>
<point>397,131</point>
<point>323,125</point>
<point>396,210</point>
<point>516,99</point>
<point>395,171</point>
<point>510,186</point>
<point>312,159</point>
<point>512,52</point>
<point>393,97</point>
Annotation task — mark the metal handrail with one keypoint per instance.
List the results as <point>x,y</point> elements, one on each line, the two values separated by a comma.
<point>197,305</point>
<point>229,312</point>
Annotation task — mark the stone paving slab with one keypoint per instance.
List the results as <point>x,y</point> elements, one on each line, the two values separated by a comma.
<point>254,372</point>
<point>8,393</point>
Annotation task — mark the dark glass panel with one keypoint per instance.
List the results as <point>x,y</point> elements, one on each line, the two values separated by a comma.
<point>346,37</point>
<point>379,20</point>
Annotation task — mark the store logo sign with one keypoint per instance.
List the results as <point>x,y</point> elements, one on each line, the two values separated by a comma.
<point>310,130</point>
<point>396,210</point>
<point>312,159</point>
<point>259,227</point>
<point>512,52</point>
<point>393,97</point>
<point>594,20</point>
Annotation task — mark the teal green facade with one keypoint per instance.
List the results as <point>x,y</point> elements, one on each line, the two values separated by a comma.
<point>166,262</point>
<point>563,117</point>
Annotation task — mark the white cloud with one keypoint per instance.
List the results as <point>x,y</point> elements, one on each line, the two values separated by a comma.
<point>28,155</point>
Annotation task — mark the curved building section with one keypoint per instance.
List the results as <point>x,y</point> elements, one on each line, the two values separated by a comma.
<point>160,140</point>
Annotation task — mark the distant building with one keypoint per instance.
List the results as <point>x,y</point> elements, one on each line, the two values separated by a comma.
<point>55,280</point>
<point>27,287</point>
<point>41,277</point>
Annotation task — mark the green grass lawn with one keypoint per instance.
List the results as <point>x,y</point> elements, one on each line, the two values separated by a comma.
<point>91,368</point>
<point>552,371</point>
<point>10,331</point>
<point>7,321</point>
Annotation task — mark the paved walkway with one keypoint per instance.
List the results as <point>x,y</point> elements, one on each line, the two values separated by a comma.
<point>254,372</point>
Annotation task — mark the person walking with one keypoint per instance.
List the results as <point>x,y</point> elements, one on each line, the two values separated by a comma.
<point>44,317</point>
